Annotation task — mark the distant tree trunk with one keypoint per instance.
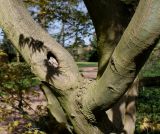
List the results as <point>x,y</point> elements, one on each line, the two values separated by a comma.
<point>76,103</point>
<point>61,37</point>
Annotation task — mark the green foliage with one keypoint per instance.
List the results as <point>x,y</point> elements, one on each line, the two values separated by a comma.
<point>83,53</point>
<point>16,76</point>
<point>2,53</point>
<point>151,96</point>
<point>16,93</point>
<point>71,16</point>
<point>152,67</point>
<point>27,128</point>
<point>8,48</point>
<point>15,80</point>
<point>148,110</point>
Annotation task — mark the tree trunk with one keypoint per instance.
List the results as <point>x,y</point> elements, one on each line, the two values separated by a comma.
<point>110,23</point>
<point>61,36</point>
<point>123,113</point>
<point>76,103</point>
<point>109,29</point>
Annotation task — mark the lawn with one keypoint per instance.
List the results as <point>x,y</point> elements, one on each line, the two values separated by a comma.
<point>87,64</point>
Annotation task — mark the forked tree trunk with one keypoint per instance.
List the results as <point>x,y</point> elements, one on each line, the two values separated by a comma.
<point>77,103</point>
<point>110,26</point>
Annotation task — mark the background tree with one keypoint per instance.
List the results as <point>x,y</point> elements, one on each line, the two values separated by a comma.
<point>80,104</point>
<point>7,47</point>
<point>70,16</point>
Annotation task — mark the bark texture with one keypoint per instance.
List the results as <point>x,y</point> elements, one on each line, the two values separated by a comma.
<point>123,114</point>
<point>35,44</point>
<point>77,103</point>
<point>110,19</point>
<point>135,45</point>
<point>110,23</point>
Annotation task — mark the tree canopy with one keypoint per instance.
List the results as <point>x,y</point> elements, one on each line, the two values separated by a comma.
<point>70,16</point>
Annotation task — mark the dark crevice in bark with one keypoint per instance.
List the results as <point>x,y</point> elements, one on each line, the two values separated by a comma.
<point>143,56</point>
<point>106,125</point>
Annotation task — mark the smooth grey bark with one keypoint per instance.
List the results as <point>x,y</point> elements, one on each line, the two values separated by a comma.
<point>82,102</point>
<point>34,43</point>
<point>127,59</point>
<point>110,19</point>
<point>123,113</point>
<point>110,23</point>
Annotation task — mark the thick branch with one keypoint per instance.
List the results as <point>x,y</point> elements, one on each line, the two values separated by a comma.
<point>110,18</point>
<point>49,60</point>
<point>127,59</point>
<point>54,106</point>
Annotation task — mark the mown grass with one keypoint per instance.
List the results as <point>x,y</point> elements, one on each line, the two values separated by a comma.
<point>148,102</point>
<point>151,69</point>
<point>87,64</point>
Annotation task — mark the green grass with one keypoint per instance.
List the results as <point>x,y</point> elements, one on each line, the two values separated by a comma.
<point>151,69</point>
<point>148,106</point>
<point>87,64</point>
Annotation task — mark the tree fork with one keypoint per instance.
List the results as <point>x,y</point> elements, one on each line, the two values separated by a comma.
<point>138,41</point>
<point>79,98</point>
